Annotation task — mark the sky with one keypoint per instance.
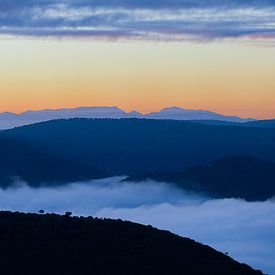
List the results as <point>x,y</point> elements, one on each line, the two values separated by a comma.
<point>138,55</point>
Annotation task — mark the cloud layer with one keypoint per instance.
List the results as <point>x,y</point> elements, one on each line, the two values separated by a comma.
<point>143,19</point>
<point>245,230</point>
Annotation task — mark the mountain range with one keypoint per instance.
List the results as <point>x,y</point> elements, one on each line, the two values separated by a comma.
<point>61,151</point>
<point>10,120</point>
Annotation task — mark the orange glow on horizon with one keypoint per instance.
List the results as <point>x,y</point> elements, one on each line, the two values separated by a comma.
<point>144,76</point>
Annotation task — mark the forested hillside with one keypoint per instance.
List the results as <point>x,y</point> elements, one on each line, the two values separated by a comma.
<point>52,244</point>
<point>232,177</point>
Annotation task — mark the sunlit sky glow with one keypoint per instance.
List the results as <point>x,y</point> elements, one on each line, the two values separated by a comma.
<point>142,55</point>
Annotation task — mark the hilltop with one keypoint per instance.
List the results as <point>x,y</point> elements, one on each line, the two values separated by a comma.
<point>53,244</point>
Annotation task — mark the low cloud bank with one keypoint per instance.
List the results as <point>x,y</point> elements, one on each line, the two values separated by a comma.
<point>245,230</point>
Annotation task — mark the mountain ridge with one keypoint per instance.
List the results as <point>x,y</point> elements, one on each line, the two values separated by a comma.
<point>10,120</point>
<point>129,146</point>
<point>236,176</point>
<point>178,113</point>
<point>20,162</point>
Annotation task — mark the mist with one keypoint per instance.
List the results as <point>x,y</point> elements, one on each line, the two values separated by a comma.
<point>245,230</point>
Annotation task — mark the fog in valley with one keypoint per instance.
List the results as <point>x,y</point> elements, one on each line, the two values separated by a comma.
<point>244,230</point>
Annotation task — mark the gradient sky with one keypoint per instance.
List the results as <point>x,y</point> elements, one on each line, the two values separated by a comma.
<point>142,55</point>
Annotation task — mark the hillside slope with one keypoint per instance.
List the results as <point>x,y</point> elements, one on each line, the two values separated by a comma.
<point>261,123</point>
<point>64,151</point>
<point>19,161</point>
<point>132,146</point>
<point>232,177</point>
<point>52,244</point>
<point>256,124</point>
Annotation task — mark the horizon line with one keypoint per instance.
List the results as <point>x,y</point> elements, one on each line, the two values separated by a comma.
<point>133,110</point>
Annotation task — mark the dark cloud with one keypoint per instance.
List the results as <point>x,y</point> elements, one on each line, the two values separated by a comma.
<point>168,20</point>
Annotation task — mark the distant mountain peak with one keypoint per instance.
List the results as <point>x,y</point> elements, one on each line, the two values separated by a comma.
<point>178,113</point>
<point>11,120</point>
<point>173,109</point>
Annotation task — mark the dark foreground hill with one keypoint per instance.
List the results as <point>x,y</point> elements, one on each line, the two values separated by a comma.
<point>52,244</point>
<point>232,177</point>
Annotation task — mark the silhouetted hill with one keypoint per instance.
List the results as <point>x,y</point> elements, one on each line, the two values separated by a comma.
<point>63,151</point>
<point>19,160</point>
<point>232,177</point>
<point>52,244</point>
<point>257,123</point>
<point>261,123</point>
<point>218,122</point>
<point>133,146</point>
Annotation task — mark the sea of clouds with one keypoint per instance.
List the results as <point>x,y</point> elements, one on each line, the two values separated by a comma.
<point>245,230</point>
